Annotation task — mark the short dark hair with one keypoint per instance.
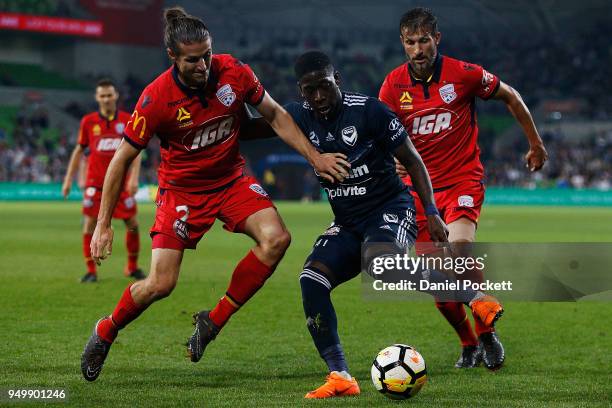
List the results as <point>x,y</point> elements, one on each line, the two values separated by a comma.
<point>106,82</point>
<point>181,27</point>
<point>312,61</point>
<point>418,18</point>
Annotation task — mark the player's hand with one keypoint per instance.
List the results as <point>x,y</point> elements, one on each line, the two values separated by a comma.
<point>437,229</point>
<point>536,157</point>
<point>101,243</point>
<point>332,166</point>
<point>400,169</point>
<point>66,189</point>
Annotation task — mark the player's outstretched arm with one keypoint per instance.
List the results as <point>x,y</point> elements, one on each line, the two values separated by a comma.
<point>411,160</point>
<point>537,155</point>
<point>331,166</point>
<point>73,164</point>
<point>102,239</point>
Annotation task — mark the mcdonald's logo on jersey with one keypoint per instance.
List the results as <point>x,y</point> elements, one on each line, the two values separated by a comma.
<point>137,120</point>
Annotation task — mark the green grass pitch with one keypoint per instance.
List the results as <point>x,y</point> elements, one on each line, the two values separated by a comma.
<point>558,354</point>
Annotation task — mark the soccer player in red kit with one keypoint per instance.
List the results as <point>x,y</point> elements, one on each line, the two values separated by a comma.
<point>196,109</point>
<point>434,97</point>
<point>102,132</point>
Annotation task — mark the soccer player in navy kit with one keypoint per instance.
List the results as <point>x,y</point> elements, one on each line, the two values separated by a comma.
<point>371,205</point>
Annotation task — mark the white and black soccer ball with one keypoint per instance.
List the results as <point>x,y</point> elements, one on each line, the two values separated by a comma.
<point>399,372</point>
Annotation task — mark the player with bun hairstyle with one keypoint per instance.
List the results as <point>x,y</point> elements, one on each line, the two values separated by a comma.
<point>196,108</point>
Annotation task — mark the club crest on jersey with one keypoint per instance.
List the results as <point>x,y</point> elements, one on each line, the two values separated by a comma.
<point>226,95</point>
<point>349,135</point>
<point>258,189</point>
<point>447,93</point>
<point>119,128</point>
<point>314,138</point>
<point>465,201</point>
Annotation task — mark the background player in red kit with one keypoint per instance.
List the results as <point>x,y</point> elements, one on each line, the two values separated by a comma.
<point>434,97</point>
<point>196,109</point>
<point>102,132</point>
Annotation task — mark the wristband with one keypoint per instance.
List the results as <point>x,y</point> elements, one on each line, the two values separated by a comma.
<point>431,210</point>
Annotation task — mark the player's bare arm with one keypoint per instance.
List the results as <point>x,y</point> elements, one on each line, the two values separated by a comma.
<point>73,165</point>
<point>537,155</point>
<point>132,184</point>
<point>331,166</point>
<point>412,162</point>
<point>102,240</point>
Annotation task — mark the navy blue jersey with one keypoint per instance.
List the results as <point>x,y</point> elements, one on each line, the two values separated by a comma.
<point>367,132</point>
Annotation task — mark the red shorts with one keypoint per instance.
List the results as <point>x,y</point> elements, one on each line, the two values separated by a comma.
<point>182,219</point>
<point>126,206</point>
<point>463,199</point>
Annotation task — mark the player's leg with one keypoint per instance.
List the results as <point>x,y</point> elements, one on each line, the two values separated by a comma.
<point>165,266</point>
<point>132,244</point>
<point>247,209</point>
<point>462,233</point>
<point>334,260</point>
<point>453,312</point>
<point>126,210</point>
<point>89,224</point>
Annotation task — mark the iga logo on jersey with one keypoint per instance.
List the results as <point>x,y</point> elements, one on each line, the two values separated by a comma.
<point>210,132</point>
<point>435,123</point>
<point>465,201</point>
<point>349,135</point>
<point>225,95</point>
<point>447,93</point>
<point>108,144</point>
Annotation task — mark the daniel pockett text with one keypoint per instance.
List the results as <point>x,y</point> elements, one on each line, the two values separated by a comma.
<point>388,271</point>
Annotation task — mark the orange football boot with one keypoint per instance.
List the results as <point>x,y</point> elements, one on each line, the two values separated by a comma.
<point>335,386</point>
<point>488,309</point>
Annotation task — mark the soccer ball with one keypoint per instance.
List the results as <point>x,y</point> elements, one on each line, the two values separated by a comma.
<point>399,372</point>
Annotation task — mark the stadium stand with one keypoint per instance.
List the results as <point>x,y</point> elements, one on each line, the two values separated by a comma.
<point>562,79</point>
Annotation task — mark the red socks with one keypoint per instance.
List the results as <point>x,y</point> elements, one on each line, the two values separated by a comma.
<point>249,275</point>
<point>456,316</point>
<point>132,243</point>
<point>125,312</point>
<point>91,265</point>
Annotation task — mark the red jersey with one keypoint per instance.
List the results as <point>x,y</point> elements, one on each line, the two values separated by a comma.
<point>439,115</point>
<point>102,135</point>
<point>198,129</point>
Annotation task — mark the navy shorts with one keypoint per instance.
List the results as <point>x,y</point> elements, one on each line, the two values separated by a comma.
<point>339,247</point>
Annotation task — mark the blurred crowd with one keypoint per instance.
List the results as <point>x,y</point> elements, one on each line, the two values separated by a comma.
<point>542,69</point>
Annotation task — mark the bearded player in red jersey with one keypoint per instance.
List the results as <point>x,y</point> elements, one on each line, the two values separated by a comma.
<point>102,132</point>
<point>434,97</point>
<point>196,109</point>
